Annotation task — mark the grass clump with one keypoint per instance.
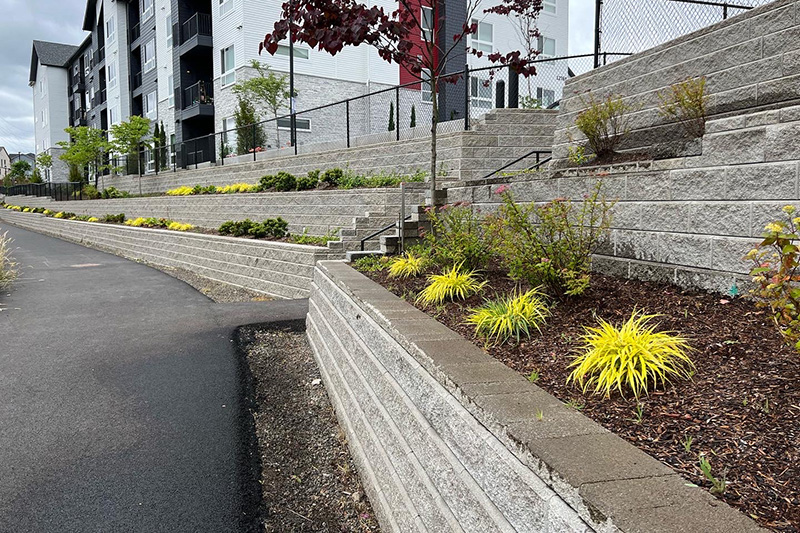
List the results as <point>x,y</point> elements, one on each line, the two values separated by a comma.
<point>604,123</point>
<point>510,317</point>
<point>410,265</point>
<point>8,270</point>
<point>633,357</point>
<point>372,263</point>
<point>452,284</point>
<point>686,103</point>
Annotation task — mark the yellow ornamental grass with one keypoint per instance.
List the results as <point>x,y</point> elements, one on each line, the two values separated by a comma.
<point>26,210</point>
<point>48,213</point>
<point>237,188</point>
<point>408,266</point>
<point>60,214</point>
<point>180,191</point>
<point>177,226</point>
<point>510,317</point>
<point>136,222</point>
<point>452,284</point>
<point>93,219</point>
<point>632,357</point>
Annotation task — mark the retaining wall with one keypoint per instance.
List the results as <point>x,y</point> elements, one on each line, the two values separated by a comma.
<point>751,61</point>
<point>274,268</point>
<point>447,438</point>
<point>686,220</point>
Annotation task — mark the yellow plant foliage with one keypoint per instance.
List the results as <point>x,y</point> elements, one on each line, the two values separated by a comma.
<point>180,191</point>
<point>511,316</point>
<point>408,266</point>
<point>452,284</point>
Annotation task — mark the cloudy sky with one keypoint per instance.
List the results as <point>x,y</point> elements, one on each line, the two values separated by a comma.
<point>61,20</point>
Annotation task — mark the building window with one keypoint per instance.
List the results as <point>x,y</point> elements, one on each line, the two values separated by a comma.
<point>483,38</point>
<point>302,124</point>
<point>44,118</point>
<point>427,88</point>
<point>426,23</point>
<point>172,149</point>
<point>168,22</point>
<point>480,93</point>
<point>113,116</point>
<point>225,7</point>
<point>230,135</point>
<point>149,55</point>
<point>228,66</point>
<point>87,63</point>
<point>171,82</point>
<point>546,97</point>
<point>549,6</point>
<point>547,47</point>
<point>151,105</point>
<point>299,51</point>
<point>41,88</point>
<point>147,9</point>
<point>111,30</point>
<point>111,75</point>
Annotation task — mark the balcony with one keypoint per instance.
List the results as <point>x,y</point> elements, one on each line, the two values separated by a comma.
<point>136,32</point>
<point>136,80</point>
<point>78,84</point>
<point>79,117</point>
<point>99,57</point>
<point>196,33</point>
<point>99,98</point>
<point>198,100</point>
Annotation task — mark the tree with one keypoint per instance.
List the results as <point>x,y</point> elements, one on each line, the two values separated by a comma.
<point>163,143</point>
<point>249,134</point>
<point>36,176</point>
<point>84,150</point>
<point>330,25</point>
<point>413,116</point>
<point>45,161</point>
<point>391,116</point>
<point>19,172</point>
<point>156,145</point>
<point>129,138</point>
<point>267,89</point>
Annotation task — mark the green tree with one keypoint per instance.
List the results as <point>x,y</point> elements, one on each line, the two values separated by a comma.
<point>163,143</point>
<point>413,116</point>
<point>391,116</point>
<point>84,150</point>
<point>36,176</point>
<point>130,138</point>
<point>156,144</point>
<point>267,89</point>
<point>19,172</point>
<point>249,134</point>
<point>44,161</point>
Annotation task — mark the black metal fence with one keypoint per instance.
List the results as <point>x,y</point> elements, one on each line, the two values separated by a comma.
<point>634,26</point>
<point>57,191</point>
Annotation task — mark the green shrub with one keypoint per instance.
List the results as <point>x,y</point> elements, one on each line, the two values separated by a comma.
<point>631,357</point>
<point>457,237</point>
<point>113,219</point>
<point>550,244</point>
<point>604,123</point>
<point>350,180</point>
<point>285,182</point>
<point>305,183</point>
<point>273,227</point>
<point>316,240</point>
<point>90,192</point>
<point>267,182</point>
<point>510,317</point>
<point>332,177</point>
<point>199,189</point>
<point>113,192</point>
<point>686,102</point>
<point>452,284</point>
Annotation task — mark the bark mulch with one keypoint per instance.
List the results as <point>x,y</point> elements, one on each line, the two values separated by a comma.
<point>741,409</point>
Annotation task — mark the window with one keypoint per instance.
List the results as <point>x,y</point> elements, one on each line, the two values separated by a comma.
<point>88,99</point>
<point>426,23</point>
<point>427,89</point>
<point>547,47</point>
<point>151,105</point>
<point>111,30</point>
<point>230,136</point>
<point>111,74</point>
<point>172,149</point>
<point>147,9</point>
<point>549,6</point>
<point>546,97</point>
<point>149,55</point>
<point>87,63</point>
<point>225,7</point>
<point>227,64</point>
<point>171,82</point>
<point>113,116</point>
<point>480,93</point>
<point>44,118</point>
<point>302,124</point>
<point>299,52</point>
<point>168,22</point>
<point>483,39</point>
<point>41,88</point>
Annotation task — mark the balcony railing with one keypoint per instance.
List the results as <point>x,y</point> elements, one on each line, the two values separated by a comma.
<point>135,32</point>
<point>99,98</point>
<point>99,57</point>
<point>136,81</point>
<point>201,93</point>
<point>198,24</point>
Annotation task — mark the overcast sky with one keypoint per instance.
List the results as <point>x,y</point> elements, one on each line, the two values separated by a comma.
<point>60,21</point>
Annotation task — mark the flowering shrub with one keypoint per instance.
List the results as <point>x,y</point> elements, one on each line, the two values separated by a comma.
<point>552,244</point>
<point>604,123</point>
<point>457,236</point>
<point>686,102</point>
<point>775,273</point>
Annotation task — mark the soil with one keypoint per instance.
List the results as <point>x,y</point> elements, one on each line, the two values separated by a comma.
<point>308,479</point>
<point>741,409</point>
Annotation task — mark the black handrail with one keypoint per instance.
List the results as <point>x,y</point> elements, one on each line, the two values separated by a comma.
<point>539,162</point>
<point>197,24</point>
<point>381,232</point>
<point>201,92</point>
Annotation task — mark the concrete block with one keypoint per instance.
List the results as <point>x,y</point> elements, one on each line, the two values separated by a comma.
<point>783,141</point>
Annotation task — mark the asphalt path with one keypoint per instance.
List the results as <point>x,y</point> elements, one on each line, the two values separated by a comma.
<point>121,397</point>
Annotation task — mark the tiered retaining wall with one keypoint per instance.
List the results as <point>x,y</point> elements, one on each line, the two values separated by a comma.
<point>273,268</point>
<point>448,439</point>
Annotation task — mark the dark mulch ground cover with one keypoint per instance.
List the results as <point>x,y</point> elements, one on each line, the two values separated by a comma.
<point>308,479</point>
<point>742,408</point>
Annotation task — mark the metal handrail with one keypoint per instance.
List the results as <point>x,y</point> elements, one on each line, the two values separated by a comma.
<point>539,162</point>
<point>381,232</point>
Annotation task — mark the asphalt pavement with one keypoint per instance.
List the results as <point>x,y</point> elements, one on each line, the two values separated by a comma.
<point>121,399</point>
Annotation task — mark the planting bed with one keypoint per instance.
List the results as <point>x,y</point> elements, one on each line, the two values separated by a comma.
<point>741,409</point>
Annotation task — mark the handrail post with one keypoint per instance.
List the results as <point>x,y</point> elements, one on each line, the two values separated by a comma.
<point>467,82</point>
<point>253,127</point>
<point>397,111</point>
<point>347,107</point>
<point>401,228</point>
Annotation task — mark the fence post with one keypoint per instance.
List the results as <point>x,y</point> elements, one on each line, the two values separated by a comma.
<point>500,94</point>
<point>467,82</point>
<point>253,127</point>
<point>347,107</point>
<point>597,18</point>
<point>513,89</point>
<point>397,111</point>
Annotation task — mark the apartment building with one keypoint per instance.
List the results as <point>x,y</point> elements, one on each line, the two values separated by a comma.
<point>176,62</point>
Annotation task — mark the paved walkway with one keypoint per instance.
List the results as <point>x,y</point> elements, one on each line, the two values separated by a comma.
<point>120,404</point>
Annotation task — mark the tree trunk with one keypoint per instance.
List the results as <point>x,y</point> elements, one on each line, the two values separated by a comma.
<point>434,126</point>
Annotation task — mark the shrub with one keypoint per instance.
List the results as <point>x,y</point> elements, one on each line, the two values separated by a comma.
<point>305,183</point>
<point>775,272</point>
<point>90,192</point>
<point>451,284</point>
<point>267,182</point>
<point>48,213</point>
<point>285,182</point>
<point>180,191</point>
<point>332,177</point>
<point>199,189</point>
<point>551,244</point>
<point>510,317</point>
<point>273,227</point>
<point>371,263</point>
<point>410,265</point>
<point>633,356</point>
<point>457,236</point>
<point>238,188</point>
<point>604,123</point>
<point>93,219</point>
<point>316,240</point>
<point>113,219</point>
<point>177,226</point>
<point>351,180</point>
<point>8,270</point>
<point>686,102</point>
<point>113,192</point>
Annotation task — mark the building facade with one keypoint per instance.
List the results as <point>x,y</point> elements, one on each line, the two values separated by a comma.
<point>176,62</point>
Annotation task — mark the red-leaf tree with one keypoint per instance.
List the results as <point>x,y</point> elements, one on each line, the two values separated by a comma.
<point>330,25</point>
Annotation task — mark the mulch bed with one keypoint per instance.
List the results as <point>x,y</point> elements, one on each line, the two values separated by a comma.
<point>308,479</point>
<point>742,408</point>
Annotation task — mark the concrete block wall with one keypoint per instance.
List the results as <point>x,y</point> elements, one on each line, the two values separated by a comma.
<point>502,136</point>
<point>685,220</point>
<point>751,62</point>
<point>273,268</point>
<point>446,438</point>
